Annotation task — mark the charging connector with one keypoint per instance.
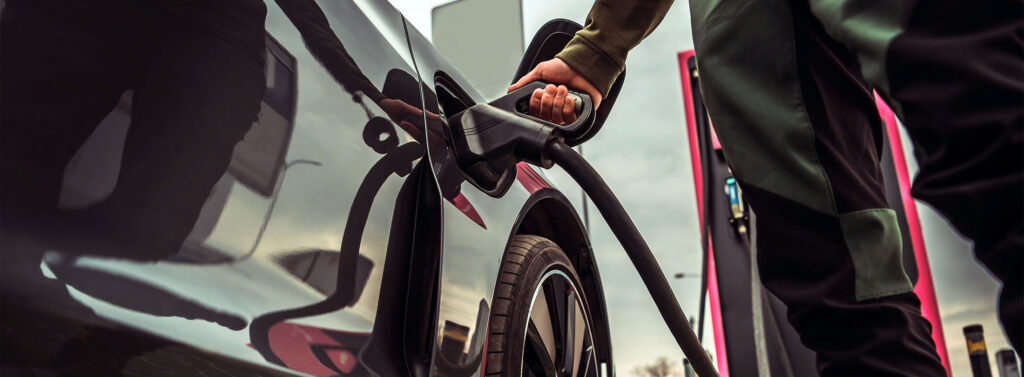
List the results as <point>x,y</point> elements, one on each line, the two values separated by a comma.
<point>489,141</point>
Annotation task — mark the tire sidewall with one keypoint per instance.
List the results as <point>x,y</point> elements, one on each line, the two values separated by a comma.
<point>543,257</point>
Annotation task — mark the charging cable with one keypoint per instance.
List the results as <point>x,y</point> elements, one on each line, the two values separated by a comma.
<point>637,250</point>
<point>489,139</point>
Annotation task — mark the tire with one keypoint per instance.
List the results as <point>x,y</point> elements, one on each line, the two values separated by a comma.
<point>534,330</point>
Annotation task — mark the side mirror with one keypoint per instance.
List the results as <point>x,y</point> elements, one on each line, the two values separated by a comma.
<point>548,42</point>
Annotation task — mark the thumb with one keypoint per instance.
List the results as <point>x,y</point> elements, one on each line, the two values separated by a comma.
<point>534,75</point>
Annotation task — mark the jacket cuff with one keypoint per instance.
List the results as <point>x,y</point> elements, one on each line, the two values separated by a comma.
<point>591,62</point>
<point>374,95</point>
<point>369,91</point>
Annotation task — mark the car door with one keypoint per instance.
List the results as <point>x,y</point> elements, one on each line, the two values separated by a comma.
<point>285,264</point>
<point>364,116</point>
<point>477,220</point>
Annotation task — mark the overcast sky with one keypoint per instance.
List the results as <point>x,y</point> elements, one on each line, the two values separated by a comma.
<point>642,154</point>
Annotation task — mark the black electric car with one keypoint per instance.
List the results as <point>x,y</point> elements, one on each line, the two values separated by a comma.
<point>240,188</point>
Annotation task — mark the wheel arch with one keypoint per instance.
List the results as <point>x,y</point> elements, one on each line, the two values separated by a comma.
<point>548,213</point>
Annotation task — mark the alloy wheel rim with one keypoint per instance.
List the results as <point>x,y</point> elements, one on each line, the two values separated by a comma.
<point>558,340</point>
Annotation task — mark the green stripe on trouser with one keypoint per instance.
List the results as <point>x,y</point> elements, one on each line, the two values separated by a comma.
<point>873,238</point>
<point>747,57</point>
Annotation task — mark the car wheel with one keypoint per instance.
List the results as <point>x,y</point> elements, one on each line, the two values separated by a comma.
<point>540,325</point>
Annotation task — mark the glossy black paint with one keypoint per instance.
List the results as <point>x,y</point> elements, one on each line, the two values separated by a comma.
<point>242,187</point>
<point>471,254</point>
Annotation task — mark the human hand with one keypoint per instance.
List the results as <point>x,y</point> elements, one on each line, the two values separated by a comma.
<point>552,103</point>
<point>398,110</point>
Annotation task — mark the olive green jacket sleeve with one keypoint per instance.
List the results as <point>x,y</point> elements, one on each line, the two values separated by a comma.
<point>598,52</point>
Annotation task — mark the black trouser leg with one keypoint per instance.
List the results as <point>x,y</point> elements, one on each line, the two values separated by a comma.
<point>63,69</point>
<point>192,104</point>
<point>954,72</point>
<point>961,88</point>
<point>801,132</point>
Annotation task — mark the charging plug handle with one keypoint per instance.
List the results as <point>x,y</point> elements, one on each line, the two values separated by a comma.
<point>519,102</point>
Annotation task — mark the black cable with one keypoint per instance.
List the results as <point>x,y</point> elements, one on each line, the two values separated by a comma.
<point>637,250</point>
<point>705,148</point>
<point>703,281</point>
<point>704,144</point>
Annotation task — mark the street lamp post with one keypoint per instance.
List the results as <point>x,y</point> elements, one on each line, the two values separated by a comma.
<point>687,369</point>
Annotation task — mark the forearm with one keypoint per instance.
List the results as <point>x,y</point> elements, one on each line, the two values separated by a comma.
<point>326,47</point>
<point>598,52</point>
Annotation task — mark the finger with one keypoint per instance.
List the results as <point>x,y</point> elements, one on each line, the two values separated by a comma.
<point>535,102</point>
<point>410,109</point>
<point>534,75</point>
<point>408,126</point>
<point>569,111</point>
<point>547,100</point>
<point>433,116</point>
<point>559,103</point>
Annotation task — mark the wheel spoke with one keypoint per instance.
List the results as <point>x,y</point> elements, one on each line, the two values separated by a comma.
<point>536,361</point>
<point>558,339</point>
<point>571,359</point>
<point>541,317</point>
<point>588,356</point>
<point>554,289</point>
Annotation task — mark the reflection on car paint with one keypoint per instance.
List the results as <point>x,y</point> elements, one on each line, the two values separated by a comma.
<point>199,249</point>
<point>231,198</point>
<point>464,206</point>
<point>529,178</point>
<point>454,358</point>
<point>398,160</point>
<point>317,351</point>
<point>472,254</point>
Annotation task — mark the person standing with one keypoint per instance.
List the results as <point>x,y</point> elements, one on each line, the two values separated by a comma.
<point>789,85</point>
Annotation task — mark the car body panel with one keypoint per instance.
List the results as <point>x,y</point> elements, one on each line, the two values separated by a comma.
<point>289,263</point>
<point>313,186</point>
<point>473,255</point>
